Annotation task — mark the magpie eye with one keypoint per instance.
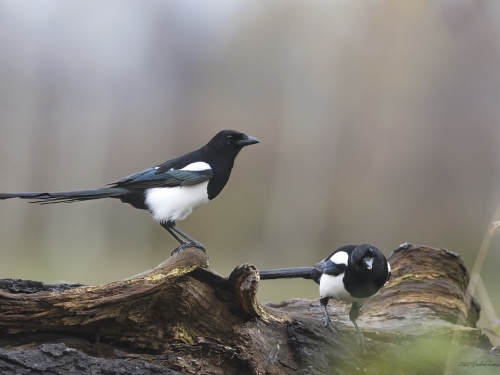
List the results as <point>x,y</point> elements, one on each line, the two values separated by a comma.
<point>229,139</point>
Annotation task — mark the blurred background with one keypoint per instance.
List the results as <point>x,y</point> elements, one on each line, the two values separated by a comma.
<point>379,122</point>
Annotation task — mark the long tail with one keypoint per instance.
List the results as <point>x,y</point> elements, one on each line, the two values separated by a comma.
<point>67,196</point>
<point>287,273</point>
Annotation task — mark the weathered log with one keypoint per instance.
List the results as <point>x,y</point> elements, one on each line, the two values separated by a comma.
<point>181,316</point>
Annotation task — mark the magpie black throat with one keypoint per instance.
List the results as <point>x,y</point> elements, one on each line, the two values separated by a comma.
<point>169,191</point>
<point>352,273</point>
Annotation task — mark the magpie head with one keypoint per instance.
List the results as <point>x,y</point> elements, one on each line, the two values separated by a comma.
<point>230,142</point>
<point>366,257</point>
<point>369,267</point>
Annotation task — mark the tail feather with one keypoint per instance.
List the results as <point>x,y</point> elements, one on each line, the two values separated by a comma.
<point>287,273</point>
<point>67,196</point>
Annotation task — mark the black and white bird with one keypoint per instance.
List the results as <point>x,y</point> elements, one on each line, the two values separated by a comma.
<point>169,191</point>
<point>352,273</point>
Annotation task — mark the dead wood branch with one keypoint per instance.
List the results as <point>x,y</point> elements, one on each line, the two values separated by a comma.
<point>181,316</point>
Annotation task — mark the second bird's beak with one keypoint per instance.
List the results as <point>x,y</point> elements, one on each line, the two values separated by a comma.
<point>247,141</point>
<point>369,262</point>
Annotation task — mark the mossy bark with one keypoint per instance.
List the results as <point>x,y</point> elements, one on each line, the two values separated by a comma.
<point>182,317</point>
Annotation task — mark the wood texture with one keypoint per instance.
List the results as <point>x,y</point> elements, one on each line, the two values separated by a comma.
<point>183,317</point>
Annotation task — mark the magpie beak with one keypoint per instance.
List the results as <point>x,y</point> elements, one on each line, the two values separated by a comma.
<point>247,141</point>
<point>368,262</point>
<point>342,276</point>
<point>169,191</point>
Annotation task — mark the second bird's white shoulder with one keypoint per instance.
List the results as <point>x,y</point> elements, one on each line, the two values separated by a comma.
<point>340,257</point>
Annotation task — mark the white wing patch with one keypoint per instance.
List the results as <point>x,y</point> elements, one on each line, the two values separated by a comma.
<point>198,166</point>
<point>340,257</point>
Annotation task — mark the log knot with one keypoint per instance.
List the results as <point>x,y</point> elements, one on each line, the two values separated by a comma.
<point>245,279</point>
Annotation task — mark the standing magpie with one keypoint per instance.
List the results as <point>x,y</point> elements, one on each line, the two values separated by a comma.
<point>169,191</point>
<point>352,273</point>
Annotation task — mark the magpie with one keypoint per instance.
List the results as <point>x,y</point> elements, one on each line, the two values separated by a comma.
<point>352,273</point>
<point>169,191</point>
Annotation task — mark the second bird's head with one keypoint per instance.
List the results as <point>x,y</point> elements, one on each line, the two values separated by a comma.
<point>367,258</point>
<point>230,142</point>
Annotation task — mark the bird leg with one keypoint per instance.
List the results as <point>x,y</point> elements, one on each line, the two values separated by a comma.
<point>324,301</point>
<point>190,239</point>
<point>353,315</point>
<point>169,230</point>
<point>175,232</point>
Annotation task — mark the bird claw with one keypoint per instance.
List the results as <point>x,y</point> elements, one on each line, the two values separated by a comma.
<point>328,323</point>
<point>186,245</point>
<point>360,340</point>
<point>199,245</point>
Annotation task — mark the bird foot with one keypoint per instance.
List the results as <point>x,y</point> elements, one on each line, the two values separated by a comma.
<point>186,245</point>
<point>360,340</point>
<point>328,323</point>
<point>199,245</point>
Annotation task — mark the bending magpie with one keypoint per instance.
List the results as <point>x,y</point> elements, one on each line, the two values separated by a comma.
<point>169,191</point>
<point>352,273</point>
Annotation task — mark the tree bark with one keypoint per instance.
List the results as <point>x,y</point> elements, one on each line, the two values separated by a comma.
<point>182,317</point>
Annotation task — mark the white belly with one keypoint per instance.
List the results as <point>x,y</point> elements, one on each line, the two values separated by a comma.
<point>333,287</point>
<point>175,203</point>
